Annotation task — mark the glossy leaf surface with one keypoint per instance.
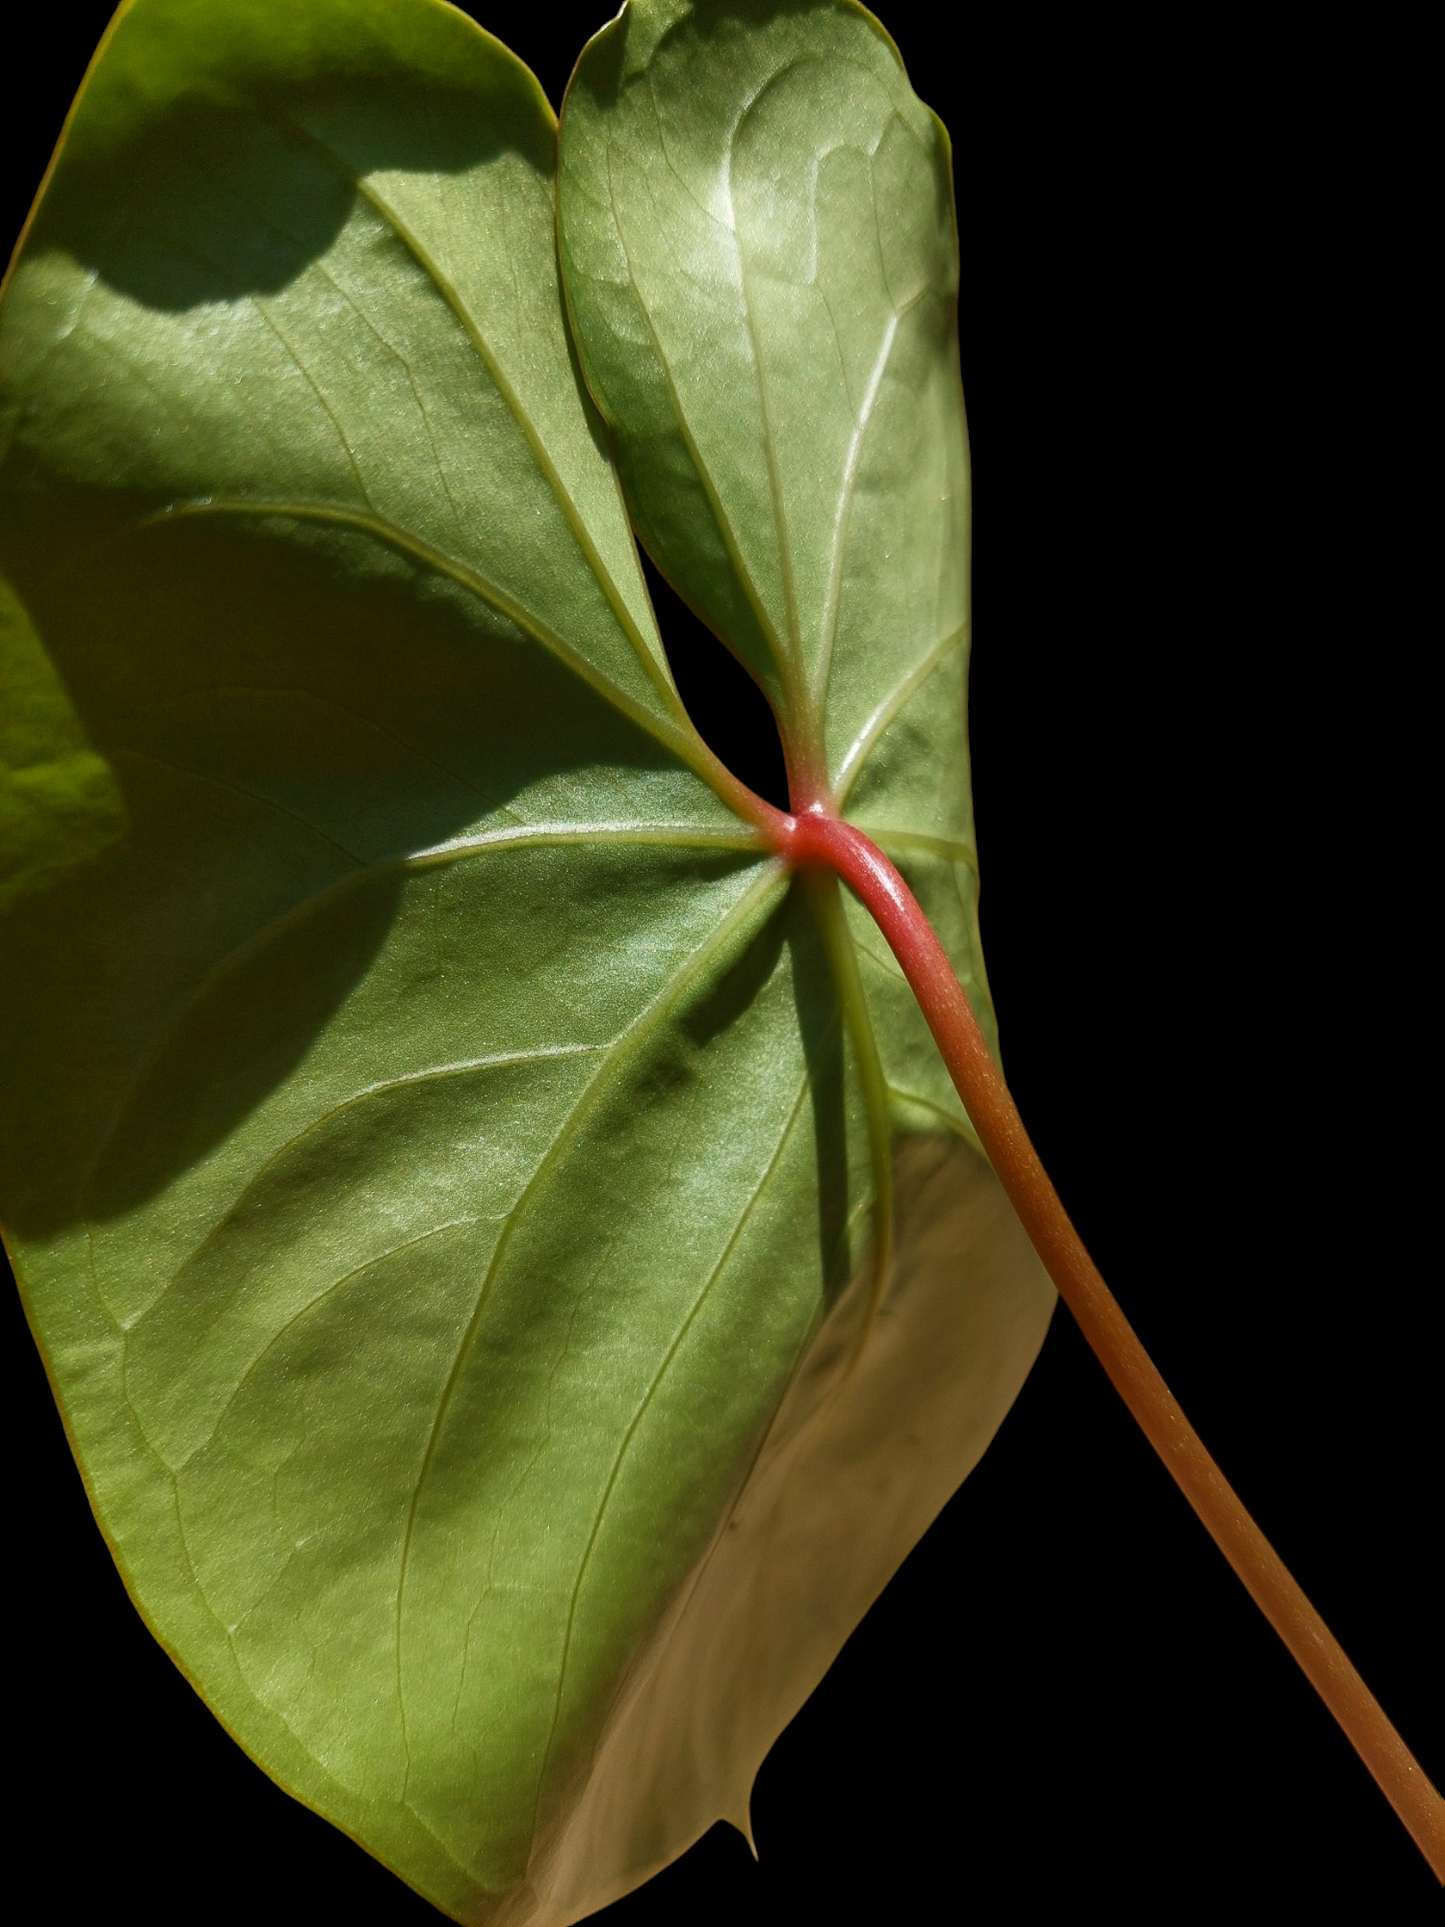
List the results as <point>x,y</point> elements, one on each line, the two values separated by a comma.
<point>450,1163</point>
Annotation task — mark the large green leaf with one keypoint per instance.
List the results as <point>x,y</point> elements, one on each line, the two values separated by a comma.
<point>761,265</point>
<point>516,1277</point>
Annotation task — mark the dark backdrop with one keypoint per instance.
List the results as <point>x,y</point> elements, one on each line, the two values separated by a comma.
<point>1193,719</point>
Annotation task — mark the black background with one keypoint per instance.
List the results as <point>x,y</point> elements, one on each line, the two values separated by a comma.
<point>1195,726</point>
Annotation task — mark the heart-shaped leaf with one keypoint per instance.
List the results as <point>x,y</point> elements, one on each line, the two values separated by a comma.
<point>761,266</point>
<point>516,1277</point>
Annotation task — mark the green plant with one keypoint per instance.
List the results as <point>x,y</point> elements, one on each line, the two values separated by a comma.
<point>449,581</point>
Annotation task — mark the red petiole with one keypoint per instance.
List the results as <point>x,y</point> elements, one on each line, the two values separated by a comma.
<point>815,836</point>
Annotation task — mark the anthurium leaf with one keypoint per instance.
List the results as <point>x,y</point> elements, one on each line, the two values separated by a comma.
<point>761,266</point>
<point>514,1278</point>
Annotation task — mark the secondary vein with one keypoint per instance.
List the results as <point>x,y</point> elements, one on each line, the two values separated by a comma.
<point>643,1406</point>
<point>432,268</point>
<point>672,734</point>
<point>886,710</point>
<point>614,1056</point>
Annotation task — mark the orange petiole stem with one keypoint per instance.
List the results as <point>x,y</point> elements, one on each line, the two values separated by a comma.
<point>816,836</point>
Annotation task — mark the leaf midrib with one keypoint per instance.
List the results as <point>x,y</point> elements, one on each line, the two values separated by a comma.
<point>432,269</point>
<point>726,533</point>
<point>673,836</point>
<point>614,1057</point>
<point>682,742</point>
<point>644,1405</point>
<point>499,1060</point>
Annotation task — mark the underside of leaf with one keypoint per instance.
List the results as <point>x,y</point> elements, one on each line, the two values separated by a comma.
<point>516,1275</point>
